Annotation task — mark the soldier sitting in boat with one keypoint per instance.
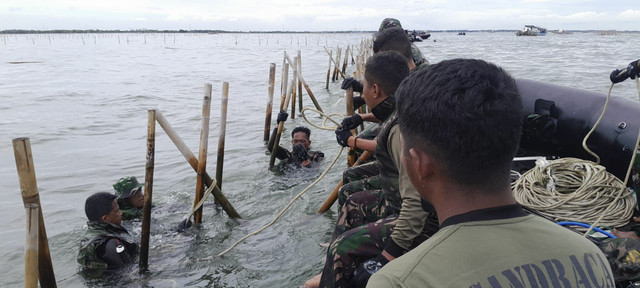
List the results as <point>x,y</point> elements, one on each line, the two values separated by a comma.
<point>106,245</point>
<point>300,140</point>
<point>130,197</point>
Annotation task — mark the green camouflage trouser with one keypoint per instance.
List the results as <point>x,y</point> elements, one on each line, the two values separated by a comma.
<point>418,58</point>
<point>359,178</point>
<point>623,255</point>
<point>357,245</point>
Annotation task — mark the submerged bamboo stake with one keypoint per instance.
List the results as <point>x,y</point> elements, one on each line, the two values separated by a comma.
<point>267,118</point>
<point>202,153</point>
<point>285,77</point>
<point>223,131</point>
<point>299,69</point>
<point>326,205</point>
<point>143,264</point>
<point>329,69</point>
<point>346,59</point>
<point>306,87</point>
<point>29,191</point>
<point>276,143</point>
<point>295,84</point>
<point>334,62</point>
<point>193,162</point>
<point>31,247</point>
<point>337,66</point>
<point>283,82</point>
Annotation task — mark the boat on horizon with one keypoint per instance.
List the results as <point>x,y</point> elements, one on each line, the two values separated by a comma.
<point>532,30</point>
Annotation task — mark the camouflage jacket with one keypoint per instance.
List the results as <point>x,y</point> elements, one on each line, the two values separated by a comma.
<point>97,235</point>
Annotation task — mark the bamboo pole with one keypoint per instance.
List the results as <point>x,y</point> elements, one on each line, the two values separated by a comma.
<point>223,131</point>
<point>143,264</point>
<point>193,162</point>
<point>329,69</point>
<point>29,191</point>
<point>276,143</point>
<point>202,152</point>
<point>283,88</point>
<point>31,247</point>
<point>294,66</point>
<point>334,62</point>
<point>299,69</point>
<point>326,205</point>
<point>306,87</point>
<point>267,118</point>
<point>346,59</point>
<point>285,76</point>
<point>336,68</point>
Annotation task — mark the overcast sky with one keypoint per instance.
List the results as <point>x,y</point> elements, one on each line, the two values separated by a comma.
<point>317,15</point>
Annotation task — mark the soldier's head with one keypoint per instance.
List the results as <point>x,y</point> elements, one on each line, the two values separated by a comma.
<point>128,189</point>
<point>383,73</point>
<point>103,207</point>
<point>301,135</point>
<point>393,39</point>
<point>389,23</point>
<point>463,117</point>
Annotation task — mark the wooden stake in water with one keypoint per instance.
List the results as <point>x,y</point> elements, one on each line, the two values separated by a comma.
<point>31,247</point>
<point>329,69</point>
<point>193,162</point>
<point>299,70</point>
<point>346,59</point>
<point>267,118</point>
<point>202,153</point>
<point>29,191</point>
<point>223,131</point>
<point>148,192</point>
<point>295,84</point>
<point>306,87</point>
<point>285,78</point>
<point>276,142</point>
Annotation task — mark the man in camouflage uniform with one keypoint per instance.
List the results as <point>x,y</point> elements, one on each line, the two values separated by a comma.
<point>106,245</point>
<point>130,197</point>
<point>418,58</point>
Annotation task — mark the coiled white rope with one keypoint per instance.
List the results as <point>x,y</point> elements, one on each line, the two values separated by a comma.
<point>324,127</point>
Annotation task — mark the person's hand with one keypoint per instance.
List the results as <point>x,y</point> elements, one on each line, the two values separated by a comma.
<point>358,101</point>
<point>353,83</point>
<point>300,152</point>
<point>282,116</point>
<point>362,274</point>
<point>184,224</point>
<point>342,136</point>
<point>632,70</point>
<point>615,76</point>
<point>351,122</point>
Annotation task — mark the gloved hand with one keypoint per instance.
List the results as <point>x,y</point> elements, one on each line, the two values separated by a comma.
<point>342,136</point>
<point>351,122</point>
<point>184,224</point>
<point>365,270</point>
<point>300,153</point>
<point>616,78</point>
<point>633,70</point>
<point>282,116</point>
<point>358,101</point>
<point>353,83</point>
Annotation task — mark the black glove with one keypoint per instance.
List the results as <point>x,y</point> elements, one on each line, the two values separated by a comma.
<point>633,70</point>
<point>365,270</point>
<point>184,224</point>
<point>353,83</point>
<point>300,153</point>
<point>282,116</point>
<point>616,78</point>
<point>357,102</point>
<point>351,122</point>
<point>342,136</point>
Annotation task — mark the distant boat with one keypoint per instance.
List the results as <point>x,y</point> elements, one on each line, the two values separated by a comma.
<point>462,33</point>
<point>424,35</point>
<point>531,30</point>
<point>561,31</point>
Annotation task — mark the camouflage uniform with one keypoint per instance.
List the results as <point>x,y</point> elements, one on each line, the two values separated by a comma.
<point>622,254</point>
<point>418,58</point>
<point>125,189</point>
<point>286,156</point>
<point>98,234</point>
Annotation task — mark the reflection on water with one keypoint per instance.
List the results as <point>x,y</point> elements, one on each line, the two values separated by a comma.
<point>83,101</point>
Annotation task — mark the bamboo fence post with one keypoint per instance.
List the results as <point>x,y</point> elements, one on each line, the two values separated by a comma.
<point>202,152</point>
<point>267,118</point>
<point>223,131</point>
<point>143,264</point>
<point>31,247</point>
<point>346,60</point>
<point>334,62</point>
<point>294,66</point>
<point>306,87</point>
<point>285,76</point>
<point>351,155</point>
<point>352,61</point>
<point>299,81</point>
<point>29,191</point>
<point>329,69</point>
<point>193,162</point>
<point>283,80</point>
<point>276,143</point>
<point>326,205</point>
<point>336,68</point>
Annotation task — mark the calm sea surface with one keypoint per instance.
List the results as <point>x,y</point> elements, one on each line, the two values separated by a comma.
<point>83,100</point>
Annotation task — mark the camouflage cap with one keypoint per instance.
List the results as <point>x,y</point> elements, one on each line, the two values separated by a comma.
<point>389,23</point>
<point>127,187</point>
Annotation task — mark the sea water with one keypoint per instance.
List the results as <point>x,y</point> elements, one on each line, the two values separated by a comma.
<point>82,100</point>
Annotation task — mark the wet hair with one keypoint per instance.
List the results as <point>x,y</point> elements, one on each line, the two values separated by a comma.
<point>98,205</point>
<point>301,129</point>
<point>393,39</point>
<point>465,113</point>
<point>387,69</point>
